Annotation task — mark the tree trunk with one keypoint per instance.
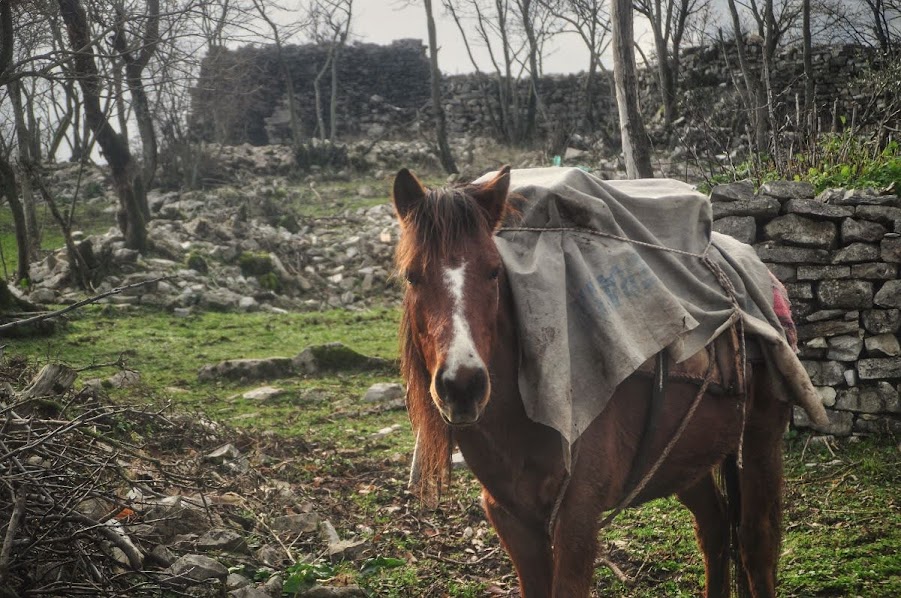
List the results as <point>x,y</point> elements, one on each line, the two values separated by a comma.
<point>810,110</point>
<point>636,145</point>
<point>129,184</point>
<point>333,98</point>
<point>666,81</point>
<point>134,70</point>
<point>756,101</point>
<point>317,92</point>
<point>9,188</point>
<point>444,151</point>
<point>23,136</point>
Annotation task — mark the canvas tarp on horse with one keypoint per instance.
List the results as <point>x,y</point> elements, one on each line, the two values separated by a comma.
<point>596,296</point>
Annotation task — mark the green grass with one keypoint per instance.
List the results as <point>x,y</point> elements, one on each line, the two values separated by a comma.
<point>842,513</point>
<point>88,218</point>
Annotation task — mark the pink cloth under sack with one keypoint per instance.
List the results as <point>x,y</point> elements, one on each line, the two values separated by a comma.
<point>783,308</point>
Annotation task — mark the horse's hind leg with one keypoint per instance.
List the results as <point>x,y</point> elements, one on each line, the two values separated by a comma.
<point>705,502</point>
<point>760,483</point>
<point>528,546</point>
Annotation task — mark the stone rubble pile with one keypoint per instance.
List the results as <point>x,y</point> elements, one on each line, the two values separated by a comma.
<point>838,254</point>
<point>218,258</point>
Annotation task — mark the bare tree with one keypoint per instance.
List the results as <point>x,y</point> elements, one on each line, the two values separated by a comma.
<point>669,20</point>
<point>636,146</point>
<point>135,52</point>
<point>771,27</point>
<point>513,33</point>
<point>8,186</point>
<point>296,132</point>
<point>591,22</point>
<point>330,23</point>
<point>129,183</point>
<point>444,150</point>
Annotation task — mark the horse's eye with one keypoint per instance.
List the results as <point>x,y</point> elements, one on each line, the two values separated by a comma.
<point>412,279</point>
<point>494,273</point>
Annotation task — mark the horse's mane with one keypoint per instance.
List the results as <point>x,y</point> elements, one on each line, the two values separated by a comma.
<point>440,223</point>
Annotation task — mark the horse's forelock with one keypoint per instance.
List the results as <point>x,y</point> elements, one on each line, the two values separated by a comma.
<point>439,225</point>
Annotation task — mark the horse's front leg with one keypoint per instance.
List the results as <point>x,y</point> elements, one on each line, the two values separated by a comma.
<point>575,549</point>
<point>528,546</point>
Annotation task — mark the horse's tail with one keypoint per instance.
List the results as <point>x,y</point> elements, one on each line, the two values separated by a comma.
<point>732,491</point>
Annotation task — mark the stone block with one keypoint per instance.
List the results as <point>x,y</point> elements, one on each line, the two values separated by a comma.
<point>880,398</point>
<point>867,197</point>
<point>760,207</point>
<point>743,228</point>
<point>799,230</point>
<point>874,424</point>
<point>844,348</point>
<point>788,190</point>
<point>826,329</point>
<point>799,290</point>
<point>809,207</point>
<point>827,395</point>
<point>850,294</point>
<point>890,248</point>
<point>883,345</point>
<point>773,252</point>
<point>737,191</point>
<point>823,272</point>
<point>840,422</point>
<point>874,271</point>
<point>783,272</point>
<point>824,373</point>
<point>825,314</point>
<point>881,321</point>
<point>855,253</point>
<point>885,215</point>
<point>889,295</point>
<point>877,368</point>
<point>861,230</point>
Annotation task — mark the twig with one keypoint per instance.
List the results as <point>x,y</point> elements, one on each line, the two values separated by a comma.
<point>15,518</point>
<point>82,303</point>
<point>616,570</point>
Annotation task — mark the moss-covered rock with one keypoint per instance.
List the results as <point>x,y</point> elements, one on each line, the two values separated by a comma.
<point>196,261</point>
<point>255,263</point>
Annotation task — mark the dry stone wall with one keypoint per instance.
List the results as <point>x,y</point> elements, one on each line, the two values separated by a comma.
<point>838,254</point>
<point>384,91</point>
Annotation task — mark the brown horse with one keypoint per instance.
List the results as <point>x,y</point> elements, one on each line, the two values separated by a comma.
<point>460,360</point>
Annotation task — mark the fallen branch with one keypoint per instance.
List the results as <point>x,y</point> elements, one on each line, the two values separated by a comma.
<point>6,551</point>
<point>82,303</point>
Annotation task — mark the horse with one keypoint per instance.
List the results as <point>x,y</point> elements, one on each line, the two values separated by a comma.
<point>460,350</point>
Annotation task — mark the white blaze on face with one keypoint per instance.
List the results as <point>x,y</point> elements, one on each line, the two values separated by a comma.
<point>462,351</point>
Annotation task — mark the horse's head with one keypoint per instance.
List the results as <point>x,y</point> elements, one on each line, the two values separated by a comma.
<point>452,266</point>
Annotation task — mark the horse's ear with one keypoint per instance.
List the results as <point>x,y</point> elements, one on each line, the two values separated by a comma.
<point>408,192</point>
<point>492,195</point>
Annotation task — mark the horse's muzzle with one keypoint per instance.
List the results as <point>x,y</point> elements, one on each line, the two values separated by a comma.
<point>461,396</point>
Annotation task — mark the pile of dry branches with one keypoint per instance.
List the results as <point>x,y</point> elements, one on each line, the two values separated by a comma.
<point>80,487</point>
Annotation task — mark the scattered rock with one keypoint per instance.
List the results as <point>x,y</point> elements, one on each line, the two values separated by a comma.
<point>226,452</point>
<point>272,368</point>
<point>224,540</point>
<point>332,357</point>
<point>383,392</point>
<point>297,523</point>
<point>124,378</point>
<point>263,393</point>
<point>197,568</point>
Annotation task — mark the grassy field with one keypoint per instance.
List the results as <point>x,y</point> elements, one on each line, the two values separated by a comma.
<point>843,510</point>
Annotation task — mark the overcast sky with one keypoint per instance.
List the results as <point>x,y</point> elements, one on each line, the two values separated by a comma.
<point>380,21</point>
